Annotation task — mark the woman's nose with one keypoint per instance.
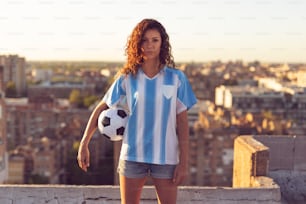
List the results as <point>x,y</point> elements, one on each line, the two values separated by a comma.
<point>150,43</point>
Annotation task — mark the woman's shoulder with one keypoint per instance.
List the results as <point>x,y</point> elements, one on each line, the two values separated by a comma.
<point>122,75</point>
<point>175,71</point>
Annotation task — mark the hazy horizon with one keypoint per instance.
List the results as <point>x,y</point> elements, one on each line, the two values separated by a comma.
<point>176,62</point>
<point>200,31</point>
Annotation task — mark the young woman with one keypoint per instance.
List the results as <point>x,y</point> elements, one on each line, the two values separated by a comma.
<point>157,95</point>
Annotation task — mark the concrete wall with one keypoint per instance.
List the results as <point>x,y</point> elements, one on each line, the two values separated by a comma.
<point>286,152</point>
<point>267,169</point>
<point>63,194</point>
<point>287,165</point>
<point>250,161</point>
<point>281,158</point>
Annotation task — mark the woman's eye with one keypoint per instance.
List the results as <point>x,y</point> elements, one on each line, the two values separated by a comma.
<point>148,40</point>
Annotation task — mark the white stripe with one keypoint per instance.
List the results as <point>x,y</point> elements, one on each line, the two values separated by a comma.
<point>124,148</point>
<point>158,120</point>
<point>127,89</point>
<point>171,140</point>
<point>140,116</point>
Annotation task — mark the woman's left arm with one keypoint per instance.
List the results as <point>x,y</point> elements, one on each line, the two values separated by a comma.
<point>181,170</point>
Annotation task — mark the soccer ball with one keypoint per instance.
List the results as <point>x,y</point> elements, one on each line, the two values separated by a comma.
<point>112,122</point>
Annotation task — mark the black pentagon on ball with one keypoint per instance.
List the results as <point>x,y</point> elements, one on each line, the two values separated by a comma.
<point>121,113</point>
<point>106,121</point>
<point>120,131</point>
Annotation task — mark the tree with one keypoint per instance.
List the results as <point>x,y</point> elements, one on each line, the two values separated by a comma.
<point>10,90</point>
<point>38,179</point>
<point>75,98</point>
<point>268,122</point>
<point>89,100</point>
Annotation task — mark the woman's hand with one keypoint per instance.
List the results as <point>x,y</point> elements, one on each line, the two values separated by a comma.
<point>180,174</point>
<point>83,152</point>
<point>181,169</point>
<point>83,157</point>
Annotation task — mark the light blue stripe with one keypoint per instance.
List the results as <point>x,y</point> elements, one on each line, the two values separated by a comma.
<point>149,119</point>
<point>185,93</point>
<point>132,125</point>
<point>165,116</point>
<point>168,78</point>
<point>114,92</point>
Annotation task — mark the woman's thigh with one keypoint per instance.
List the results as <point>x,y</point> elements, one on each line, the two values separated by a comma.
<point>166,191</point>
<point>130,189</point>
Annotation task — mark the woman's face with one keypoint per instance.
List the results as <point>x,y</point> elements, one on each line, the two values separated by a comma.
<point>151,44</point>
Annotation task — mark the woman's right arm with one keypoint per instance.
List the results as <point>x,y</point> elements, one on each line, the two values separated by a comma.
<point>92,124</point>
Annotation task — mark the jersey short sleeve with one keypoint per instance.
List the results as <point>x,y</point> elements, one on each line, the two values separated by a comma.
<point>185,95</point>
<point>115,93</point>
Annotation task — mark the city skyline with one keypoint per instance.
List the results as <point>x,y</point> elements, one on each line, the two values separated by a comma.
<point>271,31</point>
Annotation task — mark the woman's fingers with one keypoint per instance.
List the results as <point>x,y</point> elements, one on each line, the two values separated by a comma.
<point>83,159</point>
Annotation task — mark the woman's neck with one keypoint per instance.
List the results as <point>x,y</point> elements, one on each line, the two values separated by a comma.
<point>151,68</point>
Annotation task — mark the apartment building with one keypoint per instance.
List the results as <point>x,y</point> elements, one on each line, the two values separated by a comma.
<point>59,90</point>
<point>16,173</point>
<point>3,139</point>
<point>211,149</point>
<point>284,102</point>
<point>45,135</point>
<point>14,70</point>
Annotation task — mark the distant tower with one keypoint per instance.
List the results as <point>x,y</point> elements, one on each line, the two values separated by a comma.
<point>1,79</point>
<point>14,70</point>
<point>3,153</point>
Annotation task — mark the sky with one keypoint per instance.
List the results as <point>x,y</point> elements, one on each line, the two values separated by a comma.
<point>199,30</point>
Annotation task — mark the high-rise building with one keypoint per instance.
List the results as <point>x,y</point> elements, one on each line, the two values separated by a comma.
<point>14,70</point>
<point>3,152</point>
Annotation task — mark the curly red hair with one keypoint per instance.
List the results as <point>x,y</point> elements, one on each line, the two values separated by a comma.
<point>133,46</point>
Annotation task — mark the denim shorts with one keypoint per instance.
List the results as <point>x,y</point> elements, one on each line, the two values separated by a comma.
<point>133,169</point>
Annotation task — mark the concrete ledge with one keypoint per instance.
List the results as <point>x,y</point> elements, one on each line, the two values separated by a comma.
<point>250,161</point>
<point>284,163</point>
<point>64,194</point>
<point>264,182</point>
